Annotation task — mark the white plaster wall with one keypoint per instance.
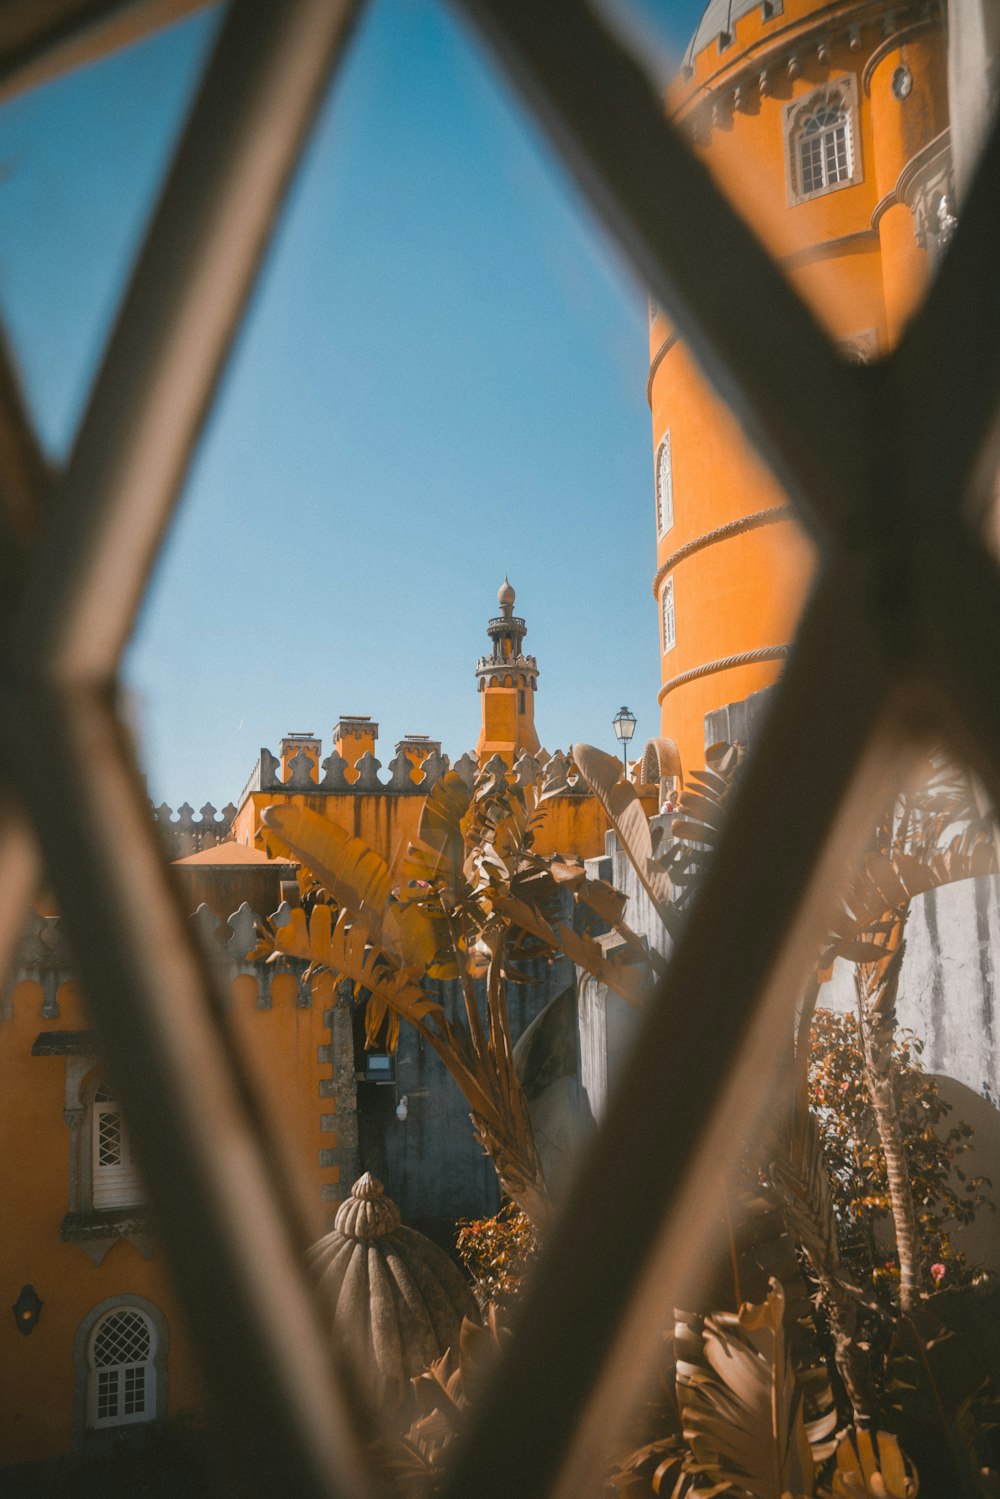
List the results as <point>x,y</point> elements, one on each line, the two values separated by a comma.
<point>948,983</point>
<point>973,74</point>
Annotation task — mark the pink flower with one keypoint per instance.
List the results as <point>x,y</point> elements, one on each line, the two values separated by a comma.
<point>938,1272</point>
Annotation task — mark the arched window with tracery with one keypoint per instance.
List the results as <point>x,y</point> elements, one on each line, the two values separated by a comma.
<point>121,1382</point>
<point>821,141</point>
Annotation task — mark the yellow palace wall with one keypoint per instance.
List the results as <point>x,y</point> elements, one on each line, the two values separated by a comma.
<point>851,253</point>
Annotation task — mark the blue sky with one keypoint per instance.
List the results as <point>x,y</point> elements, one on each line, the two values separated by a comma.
<point>441,380</point>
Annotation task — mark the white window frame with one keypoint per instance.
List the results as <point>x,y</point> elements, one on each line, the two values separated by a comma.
<point>843,90</point>
<point>664,500</point>
<point>668,616</point>
<point>96,1374</point>
<point>117,1185</point>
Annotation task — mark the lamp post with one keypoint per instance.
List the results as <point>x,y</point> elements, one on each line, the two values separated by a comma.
<point>624,723</point>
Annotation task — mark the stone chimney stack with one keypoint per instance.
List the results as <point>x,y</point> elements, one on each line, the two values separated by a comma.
<point>292,743</point>
<point>353,736</point>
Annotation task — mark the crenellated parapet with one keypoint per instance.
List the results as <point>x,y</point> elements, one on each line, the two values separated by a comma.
<point>185,833</point>
<point>364,778</point>
<point>336,776</point>
<point>45,957</point>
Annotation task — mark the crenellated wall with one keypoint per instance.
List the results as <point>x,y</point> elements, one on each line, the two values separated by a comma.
<point>385,813</point>
<point>185,833</point>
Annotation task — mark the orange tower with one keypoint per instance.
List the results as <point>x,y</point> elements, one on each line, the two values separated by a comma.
<point>827,124</point>
<point>507,682</point>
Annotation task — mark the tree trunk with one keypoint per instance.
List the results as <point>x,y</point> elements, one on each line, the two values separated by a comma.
<point>904,1214</point>
<point>876,985</point>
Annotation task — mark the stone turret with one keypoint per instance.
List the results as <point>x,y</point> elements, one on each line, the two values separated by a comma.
<point>507,682</point>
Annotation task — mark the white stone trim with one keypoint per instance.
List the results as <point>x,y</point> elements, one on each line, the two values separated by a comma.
<point>664,494</point>
<point>668,618</point>
<point>846,85</point>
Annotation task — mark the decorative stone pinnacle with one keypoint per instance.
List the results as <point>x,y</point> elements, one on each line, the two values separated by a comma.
<point>367,1214</point>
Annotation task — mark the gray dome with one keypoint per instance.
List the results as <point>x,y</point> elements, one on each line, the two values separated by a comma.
<point>719,19</point>
<point>391,1296</point>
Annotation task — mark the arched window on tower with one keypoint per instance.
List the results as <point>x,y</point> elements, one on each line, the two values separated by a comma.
<point>664,487</point>
<point>821,141</point>
<point>667,616</point>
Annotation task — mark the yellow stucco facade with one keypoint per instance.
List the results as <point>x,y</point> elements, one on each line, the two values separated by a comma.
<point>827,127</point>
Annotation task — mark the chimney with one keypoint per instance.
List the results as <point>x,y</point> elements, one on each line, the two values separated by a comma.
<point>353,736</point>
<point>290,746</point>
<point>416,748</point>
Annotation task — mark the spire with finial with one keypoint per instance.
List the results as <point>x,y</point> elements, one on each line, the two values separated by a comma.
<point>506,597</point>
<point>507,681</point>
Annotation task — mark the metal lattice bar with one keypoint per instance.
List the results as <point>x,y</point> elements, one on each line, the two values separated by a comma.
<point>855,687</point>
<point>223,1209</point>
<point>632,1234</point>
<point>39,39</point>
<point>608,123</point>
<point>221,1199</point>
<point>947,367</point>
<point>247,128</point>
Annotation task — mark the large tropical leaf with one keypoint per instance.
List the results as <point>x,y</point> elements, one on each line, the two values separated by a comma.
<point>356,877</point>
<point>621,801</point>
<point>871,1465</point>
<point>436,856</point>
<point>741,1408</point>
<point>630,980</point>
<point>344,947</point>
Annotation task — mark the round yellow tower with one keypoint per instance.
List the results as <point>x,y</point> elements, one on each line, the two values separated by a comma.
<point>507,681</point>
<point>826,124</point>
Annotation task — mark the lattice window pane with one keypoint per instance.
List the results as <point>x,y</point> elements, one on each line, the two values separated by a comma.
<point>107,1394</point>
<point>664,487</point>
<point>835,147</point>
<point>667,608</point>
<point>812,165</point>
<point>109,1138</point>
<point>122,1339</point>
<point>135,1392</point>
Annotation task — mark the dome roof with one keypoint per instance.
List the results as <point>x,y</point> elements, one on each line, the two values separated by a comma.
<point>394,1298</point>
<point>506,594</point>
<point>718,20</point>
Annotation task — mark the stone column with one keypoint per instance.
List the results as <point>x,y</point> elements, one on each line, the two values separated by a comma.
<point>74,1118</point>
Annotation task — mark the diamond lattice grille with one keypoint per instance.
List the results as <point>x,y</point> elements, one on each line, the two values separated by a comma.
<point>109,1138</point>
<point>123,1338</point>
<point>868,674</point>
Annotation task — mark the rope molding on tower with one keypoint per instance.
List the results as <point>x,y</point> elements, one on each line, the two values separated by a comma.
<point>725,663</point>
<point>768,517</point>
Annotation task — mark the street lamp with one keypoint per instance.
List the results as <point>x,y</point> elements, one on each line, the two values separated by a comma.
<point>624,723</point>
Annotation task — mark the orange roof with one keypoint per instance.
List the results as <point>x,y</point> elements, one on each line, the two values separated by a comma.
<point>231,853</point>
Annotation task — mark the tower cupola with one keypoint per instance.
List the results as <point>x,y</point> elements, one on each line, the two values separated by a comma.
<point>507,681</point>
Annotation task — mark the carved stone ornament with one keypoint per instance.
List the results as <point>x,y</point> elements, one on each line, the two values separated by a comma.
<point>927,187</point>
<point>393,1299</point>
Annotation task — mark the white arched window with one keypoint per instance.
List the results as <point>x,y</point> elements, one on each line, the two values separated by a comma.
<point>115,1179</point>
<point>821,141</point>
<point>664,487</point>
<point>667,616</point>
<point>121,1369</point>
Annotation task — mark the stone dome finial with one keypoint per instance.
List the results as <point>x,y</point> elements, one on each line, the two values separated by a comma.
<point>367,1214</point>
<point>506,594</point>
<point>391,1296</point>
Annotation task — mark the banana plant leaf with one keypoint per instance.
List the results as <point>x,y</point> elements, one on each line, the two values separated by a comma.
<point>872,1466</point>
<point>621,801</point>
<point>357,878</point>
<point>741,1406</point>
